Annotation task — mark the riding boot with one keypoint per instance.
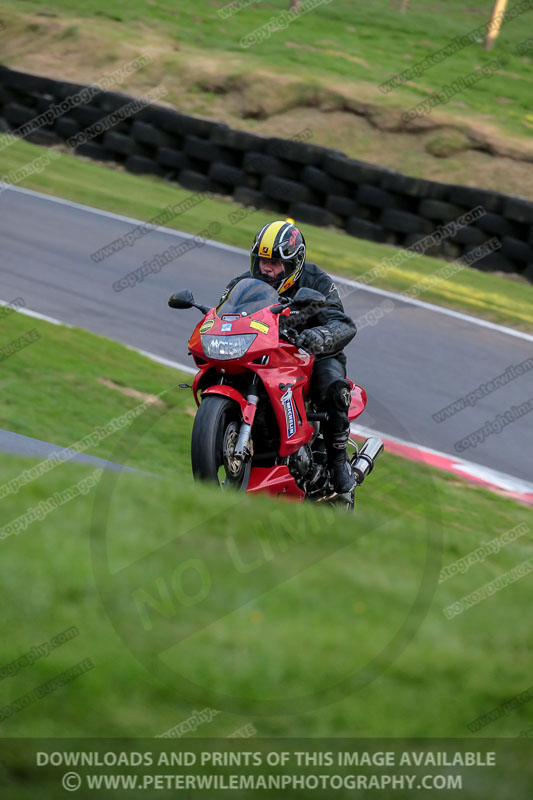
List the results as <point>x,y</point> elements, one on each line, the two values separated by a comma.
<point>341,472</point>
<point>336,432</point>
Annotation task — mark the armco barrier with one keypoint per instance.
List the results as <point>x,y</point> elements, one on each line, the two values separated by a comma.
<point>294,177</point>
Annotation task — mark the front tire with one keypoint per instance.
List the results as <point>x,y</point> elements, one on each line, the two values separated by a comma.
<point>214,436</point>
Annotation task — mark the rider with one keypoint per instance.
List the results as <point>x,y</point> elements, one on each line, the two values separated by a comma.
<point>278,258</point>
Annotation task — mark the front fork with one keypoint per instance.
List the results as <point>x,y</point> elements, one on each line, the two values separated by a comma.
<point>242,448</point>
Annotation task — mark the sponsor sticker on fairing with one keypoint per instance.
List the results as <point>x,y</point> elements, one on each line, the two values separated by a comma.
<point>290,414</point>
<point>226,326</point>
<point>259,326</point>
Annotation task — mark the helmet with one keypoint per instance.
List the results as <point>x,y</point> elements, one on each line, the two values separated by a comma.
<point>279,240</point>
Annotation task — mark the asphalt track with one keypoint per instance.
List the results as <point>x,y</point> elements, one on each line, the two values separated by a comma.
<point>27,446</point>
<point>412,362</point>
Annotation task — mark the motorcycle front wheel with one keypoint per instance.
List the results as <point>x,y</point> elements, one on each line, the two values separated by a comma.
<point>214,436</point>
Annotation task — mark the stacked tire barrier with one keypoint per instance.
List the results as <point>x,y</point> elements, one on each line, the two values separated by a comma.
<point>310,183</point>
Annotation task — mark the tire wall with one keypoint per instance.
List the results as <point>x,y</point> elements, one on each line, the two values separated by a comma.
<point>294,177</point>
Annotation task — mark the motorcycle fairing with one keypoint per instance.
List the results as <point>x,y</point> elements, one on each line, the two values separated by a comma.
<point>276,481</point>
<point>357,401</point>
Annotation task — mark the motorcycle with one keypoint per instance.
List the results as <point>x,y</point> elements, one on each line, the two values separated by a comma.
<point>256,428</point>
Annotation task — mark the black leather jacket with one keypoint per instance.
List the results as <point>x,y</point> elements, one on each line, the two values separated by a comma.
<point>330,317</point>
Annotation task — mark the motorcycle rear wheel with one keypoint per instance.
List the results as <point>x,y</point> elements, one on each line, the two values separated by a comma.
<point>214,436</point>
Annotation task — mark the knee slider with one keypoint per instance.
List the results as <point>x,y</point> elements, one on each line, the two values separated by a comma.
<point>338,394</point>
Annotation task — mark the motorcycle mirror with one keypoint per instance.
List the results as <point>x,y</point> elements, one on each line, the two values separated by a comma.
<point>183,299</point>
<point>306,296</point>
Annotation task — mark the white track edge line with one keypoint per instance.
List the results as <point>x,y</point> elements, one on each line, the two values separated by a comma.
<point>160,359</point>
<point>113,215</point>
<point>501,479</point>
<point>35,314</point>
<point>361,286</point>
<point>165,361</point>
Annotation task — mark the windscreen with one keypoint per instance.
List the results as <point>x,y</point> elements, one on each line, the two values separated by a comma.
<point>248,295</point>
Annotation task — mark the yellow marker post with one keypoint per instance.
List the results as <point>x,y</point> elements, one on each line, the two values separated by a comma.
<point>495,23</point>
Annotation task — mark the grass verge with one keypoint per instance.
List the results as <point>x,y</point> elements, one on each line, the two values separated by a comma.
<point>308,622</point>
<point>341,46</point>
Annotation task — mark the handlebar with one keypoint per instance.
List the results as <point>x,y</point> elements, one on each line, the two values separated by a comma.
<point>290,334</point>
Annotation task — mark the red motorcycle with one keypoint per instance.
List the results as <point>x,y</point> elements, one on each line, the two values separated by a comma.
<point>256,428</point>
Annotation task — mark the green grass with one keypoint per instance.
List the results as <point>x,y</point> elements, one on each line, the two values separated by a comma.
<point>340,42</point>
<point>88,402</point>
<point>481,294</point>
<point>182,594</point>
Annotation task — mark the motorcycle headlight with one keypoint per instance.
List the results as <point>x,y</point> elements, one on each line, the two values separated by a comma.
<point>226,347</point>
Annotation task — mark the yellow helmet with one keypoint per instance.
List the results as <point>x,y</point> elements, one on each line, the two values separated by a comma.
<point>279,240</point>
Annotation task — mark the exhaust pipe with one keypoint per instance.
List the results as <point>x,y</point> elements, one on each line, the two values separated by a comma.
<point>363,463</point>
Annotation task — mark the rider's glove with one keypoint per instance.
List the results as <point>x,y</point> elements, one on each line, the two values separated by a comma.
<point>315,340</point>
